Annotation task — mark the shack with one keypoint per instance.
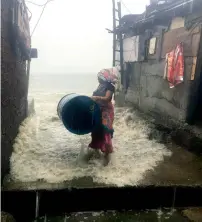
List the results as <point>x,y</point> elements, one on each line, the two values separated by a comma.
<point>147,40</point>
<point>16,54</point>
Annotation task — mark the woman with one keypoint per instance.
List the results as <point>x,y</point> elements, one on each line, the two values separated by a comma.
<point>102,137</point>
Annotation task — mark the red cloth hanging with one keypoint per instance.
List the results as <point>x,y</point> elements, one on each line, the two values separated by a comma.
<point>174,69</point>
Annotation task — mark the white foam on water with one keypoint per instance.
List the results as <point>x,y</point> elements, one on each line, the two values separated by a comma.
<point>44,149</point>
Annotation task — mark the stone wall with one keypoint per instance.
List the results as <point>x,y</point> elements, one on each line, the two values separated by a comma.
<point>13,88</point>
<point>150,92</point>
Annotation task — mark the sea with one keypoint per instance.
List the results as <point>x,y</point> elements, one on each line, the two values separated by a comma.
<point>45,150</point>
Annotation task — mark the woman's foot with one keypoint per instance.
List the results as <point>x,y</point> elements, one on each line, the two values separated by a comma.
<point>92,153</point>
<point>97,154</point>
<point>106,159</point>
<point>107,154</point>
<point>89,154</point>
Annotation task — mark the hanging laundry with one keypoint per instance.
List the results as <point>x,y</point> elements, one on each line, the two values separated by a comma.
<point>174,68</point>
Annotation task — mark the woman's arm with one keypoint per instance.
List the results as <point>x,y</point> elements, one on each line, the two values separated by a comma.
<point>106,98</point>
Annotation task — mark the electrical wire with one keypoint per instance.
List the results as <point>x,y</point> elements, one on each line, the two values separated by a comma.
<point>125,6</point>
<point>39,4</point>
<point>29,12</point>
<point>44,6</point>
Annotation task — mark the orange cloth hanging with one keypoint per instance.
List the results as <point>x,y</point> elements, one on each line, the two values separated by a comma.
<point>174,69</point>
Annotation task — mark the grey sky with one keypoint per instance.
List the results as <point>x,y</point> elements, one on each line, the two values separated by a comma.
<point>71,36</point>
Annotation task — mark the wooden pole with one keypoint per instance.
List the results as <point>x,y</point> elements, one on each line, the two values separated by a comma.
<point>114,34</point>
<point>121,45</point>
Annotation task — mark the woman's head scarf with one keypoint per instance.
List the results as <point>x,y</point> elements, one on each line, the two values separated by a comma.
<point>108,75</point>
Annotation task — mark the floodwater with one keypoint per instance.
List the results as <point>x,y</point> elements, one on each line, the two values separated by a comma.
<point>45,151</point>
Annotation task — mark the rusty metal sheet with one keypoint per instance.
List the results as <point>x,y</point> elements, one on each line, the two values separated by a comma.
<point>190,40</point>
<point>152,46</point>
<point>193,70</point>
<point>156,53</point>
<point>195,43</point>
<point>131,49</point>
<point>177,22</point>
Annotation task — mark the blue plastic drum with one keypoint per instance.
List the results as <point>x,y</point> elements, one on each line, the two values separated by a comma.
<point>79,114</point>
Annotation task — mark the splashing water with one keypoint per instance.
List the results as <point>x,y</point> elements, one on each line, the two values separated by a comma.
<point>44,149</point>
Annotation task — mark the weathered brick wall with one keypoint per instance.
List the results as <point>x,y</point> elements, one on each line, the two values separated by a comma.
<point>13,88</point>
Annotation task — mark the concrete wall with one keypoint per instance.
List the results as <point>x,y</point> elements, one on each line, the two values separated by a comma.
<point>150,92</point>
<point>13,88</point>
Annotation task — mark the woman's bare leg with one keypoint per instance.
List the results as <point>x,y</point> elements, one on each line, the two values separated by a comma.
<point>89,154</point>
<point>97,153</point>
<point>107,155</point>
<point>106,159</point>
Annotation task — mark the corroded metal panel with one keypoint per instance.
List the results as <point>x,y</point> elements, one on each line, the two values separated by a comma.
<point>193,68</point>
<point>190,40</point>
<point>177,22</point>
<point>131,49</point>
<point>152,46</point>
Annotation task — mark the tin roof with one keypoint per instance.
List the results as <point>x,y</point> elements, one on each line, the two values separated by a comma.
<point>158,13</point>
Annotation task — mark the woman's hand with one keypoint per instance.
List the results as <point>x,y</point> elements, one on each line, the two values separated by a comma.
<point>106,98</point>
<point>95,98</point>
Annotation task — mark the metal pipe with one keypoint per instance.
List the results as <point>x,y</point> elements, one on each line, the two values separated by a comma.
<point>37,205</point>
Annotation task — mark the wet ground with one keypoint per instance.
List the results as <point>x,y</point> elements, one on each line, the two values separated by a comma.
<point>175,166</point>
<point>154,162</point>
<point>172,171</point>
<point>46,156</point>
<point>130,216</point>
<point>161,215</point>
<point>182,168</point>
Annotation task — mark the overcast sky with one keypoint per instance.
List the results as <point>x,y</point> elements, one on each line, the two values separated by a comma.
<point>71,35</point>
